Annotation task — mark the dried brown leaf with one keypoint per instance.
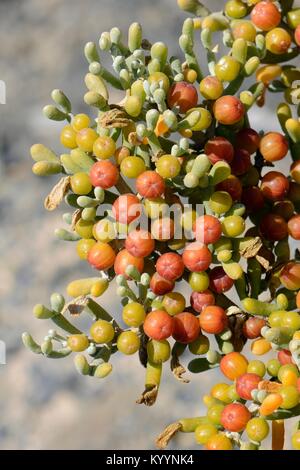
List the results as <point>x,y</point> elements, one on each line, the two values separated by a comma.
<point>250,248</point>
<point>148,396</point>
<point>76,306</point>
<point>114,118</point>
<point>178,370</point>
<point>75,217</point>
<point>167,434</point>
<point>263,261</point>
<point>57,194</point>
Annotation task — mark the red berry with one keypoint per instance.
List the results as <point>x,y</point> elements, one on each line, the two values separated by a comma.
<point>290,276</point>
<point>233,365</point>
<point>273,227</point>
<point>219,148</point>
<point>285,357</point>
<point>124,259</point>
<point>228,110</point>
<point>208,229</point>
<point>159,285</point>
<point>235,417</point>
<point>101,256</point>
<point>219,281</point>
<point>245,384</point>
<point>213,319</point>
<point>200,300</point>
<point>241,162</point>
<point>159,325</point>
<point>170,266</point>
<point>252,327</point>
<point>184,95</point>
<point>274,186</point>
<point>186,328</point>
<point>126,208</point>
<point>252,198</point>
<point>297,35</point>
<point>248,139</point>
<point>196,257</point>
<point>294,227</point>
<point>265,15</point>
<point>139,243</point>
<point>274,146</point>
<point>104,174</point>
<point>231,185</point>
<point>150,184</point>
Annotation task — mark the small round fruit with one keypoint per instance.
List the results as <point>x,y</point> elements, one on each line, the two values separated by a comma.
<point>235,9</point>
<point>220,392</point>
<point>233,226</point>
<point>213,319</point>
<point>125,259</point>
<point>204,121</point>
<point>85,139</point>
<point>274,186</point>
<point>139,243</point>
<point>159,325</point>
<point>219,442</point>
<point>126,208</point>
<point>227,69</point>
<point>84,228</point>
<point>278,41</point>
<point>252,198</point>
<point>84,246</point>
<point>162,229</point>
<point>246,383</point>
<point>285,357</point>
<point>200,300</point>
<point>233,365</point>
<point>273,227</point>
<point>295,171</point>
<point>244,30</point>
<point>211,88</point>
<point>133,314</point>
<point>257,429</point>
<point>204,432</point>
<point>232,186</point>
<point>235,417</point>
<point>294,227</point>
<point>174,303</point>
<point>158,351</point>
<point>260,346</point>
<point>104,147</point>
<point>170,266</point>
<point>68,137</point>
<point>128,343</point>
<point>168,166</point>
<point>218,149</point>
<point>256,367</point>
<point>150,184</point>
<point>200,345</point>
<point>220,282</point>
<point>252,327</point>
<point>102,332</point>
<point>199,282</point>
<point>78,343</point>
<point>208,229</point>
<point>132,167</point>
<point>214,413</point>
<point>80,121</point>
<point>196,257</point>
<point>104,174</point>
<point>241,162</point>
<point>296,435</point>
<point>273,366</point>
<point>290,276</point>
<point>248,139</point>
<point>273,146</point>
<point>220,202</point>
<point>101,256</point>
<point>81,183</point>
<point>184,95</point>
<point>228,110</point>
<point>186,328</point>
<point>160,285</point>
<point>265,15</point>
<point>290,397</point>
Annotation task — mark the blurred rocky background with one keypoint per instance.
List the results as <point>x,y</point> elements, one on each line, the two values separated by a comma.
<point>45,404</point>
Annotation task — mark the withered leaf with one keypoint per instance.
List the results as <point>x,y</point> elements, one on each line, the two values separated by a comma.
<point>251,248</point>
<point>178,370</point>
<point>263,261</point>
<point>75,217</point>
<point>167,434</point>
<point>149,396</point>
<point>114,118</point>
<point>57,194</point>
<point>76,306</point>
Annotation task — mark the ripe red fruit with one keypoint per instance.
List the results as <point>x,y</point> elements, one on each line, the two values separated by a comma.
<point>228,110</point>
<point>104,174</point>
<point>241,162</point>
<point>252,327</point>
<point>196,257</point>
<point>184,95</point>
<point>126,208</point>
<point>208,229</point>
<point>159,325</point>
<point>219,148</point>
<point>265,15</point>
<point>290,276</point>
<point>124,259</point>
<point>101,256</point>
<point>219,281</point>
<point>297,35</point>
<point>245,384</point>
<point>139,243</point>
<point>233,365</point>
<point>274,186</point>
<point>200,300</point>
<point>285,357</point>
<point>213,319</point>
<point>294,192</point>
<point>294,227</point>
<point>163,229</point>
<point>273,146</point>
<point>284,208</point>
<point>150,184</point>
<point>247,139</point>
<point>231,185</point>
<point>235,417</point>
<point>159,285</point>
<point>170,266</point>
<point>298,300</point>
<point>186,328</point>
<point>273,227</point>
<point>252,198</point>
